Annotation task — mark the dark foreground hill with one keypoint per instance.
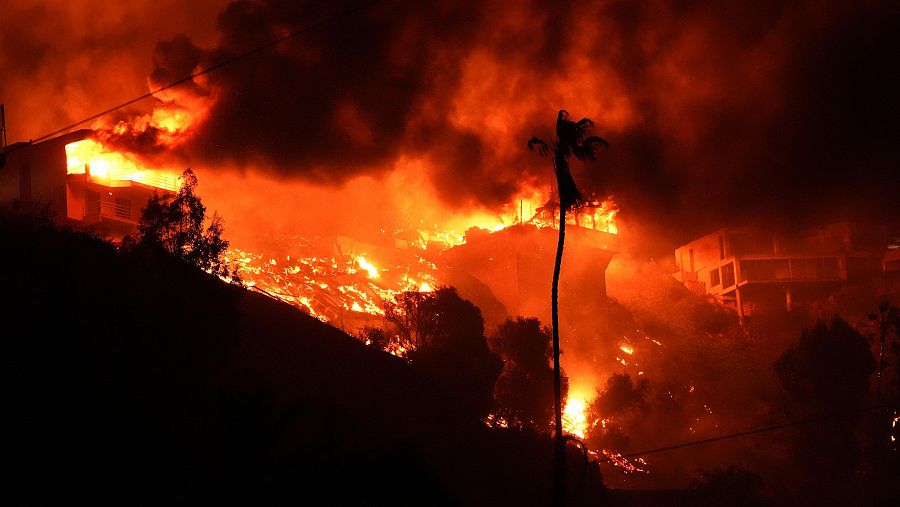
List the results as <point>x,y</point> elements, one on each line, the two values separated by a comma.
<point>133,378</point>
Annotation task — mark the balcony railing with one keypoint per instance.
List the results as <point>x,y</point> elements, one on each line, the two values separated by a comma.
<point>152,179</point>
<point>104,209</point>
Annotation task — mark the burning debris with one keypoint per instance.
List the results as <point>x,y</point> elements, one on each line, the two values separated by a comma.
<point>333,285</point>
<point>341,281</point>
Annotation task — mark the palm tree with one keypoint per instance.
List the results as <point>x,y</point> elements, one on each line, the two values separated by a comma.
<point>572,139</point>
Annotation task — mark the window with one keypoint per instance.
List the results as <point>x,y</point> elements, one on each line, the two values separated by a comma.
<point>728,275</point>
<point>714,278</point>
<point>766,269</point>
<point>691,258</point>
<point>721,246</point>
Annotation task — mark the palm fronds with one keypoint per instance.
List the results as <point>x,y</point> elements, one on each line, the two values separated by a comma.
<point>585,149</point>
<point>543,147</point>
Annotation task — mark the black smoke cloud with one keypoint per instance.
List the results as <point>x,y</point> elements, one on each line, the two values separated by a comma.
<point>343,101</point>
<point>745,111</point>
<point>62,61</point>
<point>783,112</point>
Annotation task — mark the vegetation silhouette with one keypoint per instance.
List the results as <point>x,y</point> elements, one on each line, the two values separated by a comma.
<point>887,323</point>
<point>175,224</point>
<point>139,378</point>
<point>616,404</point>
<point>444,338</point>
<point>731,485</point>
<point>827,371</point>
<point>572,139</point>
<point>524,391</point>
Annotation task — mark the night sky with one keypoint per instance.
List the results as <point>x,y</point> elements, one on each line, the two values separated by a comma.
<point>742,112</point>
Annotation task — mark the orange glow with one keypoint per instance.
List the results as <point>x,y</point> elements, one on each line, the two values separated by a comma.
<point>529,206</point>
<point>368,267</point>
<point>327,287</point>
<point>113,169</point>
<point>894,425</point>
<point>170,123</point>
<point>628,466</point>
<point>331,286</point>
<point>575,417</point>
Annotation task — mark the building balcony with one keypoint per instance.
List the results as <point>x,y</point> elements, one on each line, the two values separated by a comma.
<point>768,269</point>
<point>97,211</point>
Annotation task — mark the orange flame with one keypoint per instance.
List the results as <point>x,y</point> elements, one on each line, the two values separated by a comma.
<point>110,168</point>
<point>368,267</point>
<point>575,420</point>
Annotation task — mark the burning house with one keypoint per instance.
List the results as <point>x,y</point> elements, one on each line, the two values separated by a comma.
<point>80,182</point>
<point>515,264</point>
<point>505,271</point>
<point>747,269</point>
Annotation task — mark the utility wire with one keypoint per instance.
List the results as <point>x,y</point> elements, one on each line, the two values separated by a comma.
<point>223,63</point>
<point>766,429</point>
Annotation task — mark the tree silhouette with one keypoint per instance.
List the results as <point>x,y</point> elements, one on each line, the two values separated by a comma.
<point>175,224</point>
<point>572,139</point>
<point>827,372</point>
<point>731,485</point>
<point>618,403</point>
<point>444,338</point>
<point>523,394</point>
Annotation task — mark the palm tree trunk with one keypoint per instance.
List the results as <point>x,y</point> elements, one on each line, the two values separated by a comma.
<point>559,477</point>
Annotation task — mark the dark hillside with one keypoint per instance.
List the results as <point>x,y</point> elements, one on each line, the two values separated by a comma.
<point>134,378</point>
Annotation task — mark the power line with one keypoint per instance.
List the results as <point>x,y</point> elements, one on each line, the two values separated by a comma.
<point>217,66</point>
<point>811,420</point>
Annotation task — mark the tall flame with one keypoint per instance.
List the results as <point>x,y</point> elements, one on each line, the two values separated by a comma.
<point>575,420</point>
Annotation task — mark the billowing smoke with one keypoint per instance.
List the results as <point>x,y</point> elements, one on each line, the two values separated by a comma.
<point>63,61</point>
<point>726,113</point>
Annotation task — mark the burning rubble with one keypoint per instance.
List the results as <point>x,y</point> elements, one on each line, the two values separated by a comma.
<point>345,282</point>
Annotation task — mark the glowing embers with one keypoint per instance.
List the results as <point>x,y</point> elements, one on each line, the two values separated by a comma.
<point>331,287</point>
<point>624,464</point>
<point>113,169</point>
<point>894,428</point>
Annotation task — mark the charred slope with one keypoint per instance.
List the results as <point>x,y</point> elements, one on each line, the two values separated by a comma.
<point>138,379</point>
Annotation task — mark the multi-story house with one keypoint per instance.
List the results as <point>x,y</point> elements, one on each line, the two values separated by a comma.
<point>750,268</point>
<point>82,186</point>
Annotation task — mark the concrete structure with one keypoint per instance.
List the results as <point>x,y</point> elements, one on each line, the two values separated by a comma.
<point>747,268</point>
<point>516,264</point>
<point>34,176</point>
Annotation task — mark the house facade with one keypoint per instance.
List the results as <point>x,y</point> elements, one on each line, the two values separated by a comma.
<point>748,269</point>
<point>82,186</point>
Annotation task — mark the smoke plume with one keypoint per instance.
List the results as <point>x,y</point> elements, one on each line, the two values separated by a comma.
<point>715,114</point>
